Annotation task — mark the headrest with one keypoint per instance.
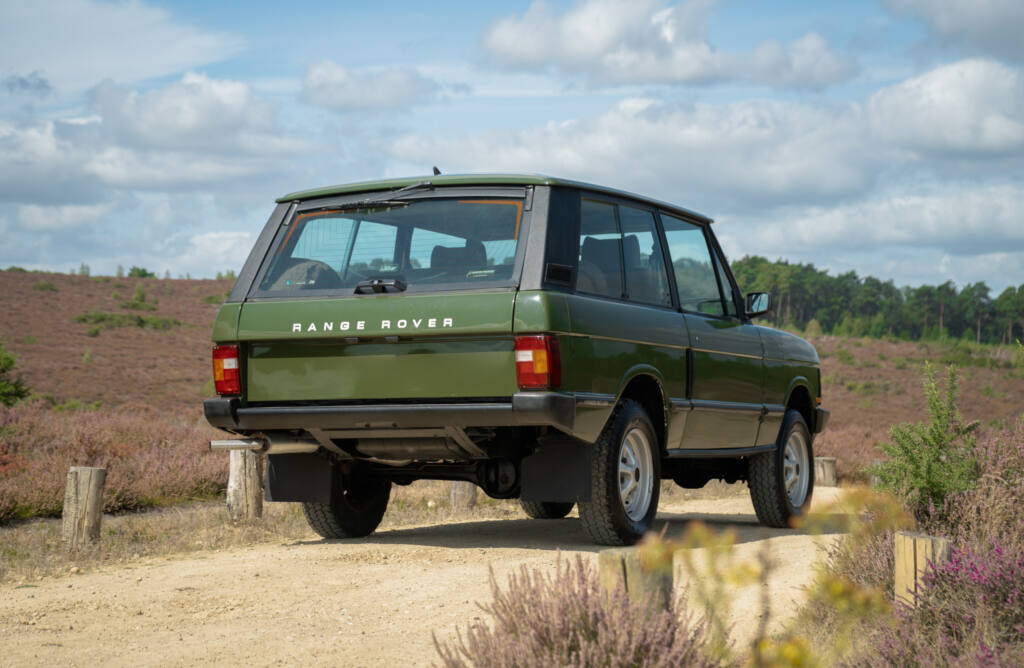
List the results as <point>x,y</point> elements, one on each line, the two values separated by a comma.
<point>631,251</point>
<point>471,256</point>
<point>602,252</point>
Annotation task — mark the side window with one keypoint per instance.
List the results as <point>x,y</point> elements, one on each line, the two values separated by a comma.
<point>600,261</point>
<point>646,280</point>
<point>723,280</point>
<point>692,266</point>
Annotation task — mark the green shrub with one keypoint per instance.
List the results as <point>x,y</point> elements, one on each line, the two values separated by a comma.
<point>845,357</point>
<point>1018,356</point>
<point>213,299</point>
<point>12,388</point>
<point>17,269</point>
<point>44,286</point>
<point>102,320</point>
<point>87,357</point>
<point>139,272</point>
<point>813,329</point>
<point>929,461</point>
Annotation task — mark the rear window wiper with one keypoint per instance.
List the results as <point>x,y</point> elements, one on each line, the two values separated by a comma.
<point>385,201</point>
<point>380,285</point>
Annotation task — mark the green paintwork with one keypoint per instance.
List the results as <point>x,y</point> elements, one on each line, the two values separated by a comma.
<point>470,356</point>
<point>225,327</point>
<point>418,368</point>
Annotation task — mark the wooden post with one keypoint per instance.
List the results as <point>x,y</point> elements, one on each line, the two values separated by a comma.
<point>825,472</point>
<point>874,480</point>
<point>245,486</point>
<point>462,495</point>
<point>83,507</point>
<point>913,552</point>
<point>620,566</point>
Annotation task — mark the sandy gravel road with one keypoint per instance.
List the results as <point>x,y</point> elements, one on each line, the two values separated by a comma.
<point>372,602</point>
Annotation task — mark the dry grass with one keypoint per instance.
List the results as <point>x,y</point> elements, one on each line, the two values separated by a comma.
<point>33,549</point>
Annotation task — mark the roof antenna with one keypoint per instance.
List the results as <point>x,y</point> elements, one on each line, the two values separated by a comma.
<point>437,172</point>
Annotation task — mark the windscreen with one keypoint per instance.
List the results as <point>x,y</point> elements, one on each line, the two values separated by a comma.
<point>416,245</point>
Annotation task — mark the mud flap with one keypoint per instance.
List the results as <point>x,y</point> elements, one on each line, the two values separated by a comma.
<point>298,477</point>
<point>557,471</point>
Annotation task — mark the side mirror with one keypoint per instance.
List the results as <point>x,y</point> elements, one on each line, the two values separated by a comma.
<point>758,303</point>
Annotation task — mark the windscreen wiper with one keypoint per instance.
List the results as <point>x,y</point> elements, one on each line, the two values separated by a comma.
<point>385,201</point>
<point>380,286</point>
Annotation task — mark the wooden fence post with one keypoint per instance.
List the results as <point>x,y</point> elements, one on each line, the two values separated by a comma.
<point>245,486</point>
<point>825,472</point>
<point>874,480</point>
<point>913,552</point>
<point>83,507</point>
<point>462,495</point>
<point>620,566</point>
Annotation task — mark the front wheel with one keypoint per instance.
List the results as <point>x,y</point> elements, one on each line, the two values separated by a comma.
<point>782,481</point>
<point>358,501</point>
<point>624,478</point>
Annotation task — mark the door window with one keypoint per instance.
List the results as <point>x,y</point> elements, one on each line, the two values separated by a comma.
<point>692,266</point>
<point>646,280</point>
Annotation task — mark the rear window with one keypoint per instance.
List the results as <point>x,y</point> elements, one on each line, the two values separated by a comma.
<point>422,245</point>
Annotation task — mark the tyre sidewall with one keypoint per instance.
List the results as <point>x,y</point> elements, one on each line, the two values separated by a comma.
<point>359,500</point>
<point>631,416</point>
<point>793,421</point>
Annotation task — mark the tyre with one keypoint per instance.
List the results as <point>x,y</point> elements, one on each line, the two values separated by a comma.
<point>357,506</point>
<point>625,477</point>
<point>546,510</point>
<point>782,481</point>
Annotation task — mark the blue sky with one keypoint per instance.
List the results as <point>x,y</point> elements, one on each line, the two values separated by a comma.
<point>883,137</point>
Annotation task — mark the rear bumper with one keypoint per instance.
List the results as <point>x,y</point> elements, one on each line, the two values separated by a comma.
<point>525,409</point>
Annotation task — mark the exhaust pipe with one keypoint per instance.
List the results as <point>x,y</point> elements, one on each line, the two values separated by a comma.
<point>266,446</point>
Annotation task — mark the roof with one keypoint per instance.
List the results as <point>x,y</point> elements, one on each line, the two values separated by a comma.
<point>476,180</point>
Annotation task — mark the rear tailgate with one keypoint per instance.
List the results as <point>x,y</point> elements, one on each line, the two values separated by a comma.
<point>386,347</point>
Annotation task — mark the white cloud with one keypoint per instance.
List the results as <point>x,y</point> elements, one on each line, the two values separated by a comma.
<point>973,106</point>
<point>197,112</point>
<point>989,26</point>
<point>41,218</point>
<point>76,44</point>
<point>210,252</point>
<point>651,41</point>
<point>807,62</point>
<point>335,87</point>
<point>745,154</point>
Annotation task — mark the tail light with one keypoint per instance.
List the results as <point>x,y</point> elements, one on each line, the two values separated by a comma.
<point>538,362</point>
<point>226,378</point>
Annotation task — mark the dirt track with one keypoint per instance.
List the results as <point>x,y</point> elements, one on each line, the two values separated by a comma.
<point>371,602</point>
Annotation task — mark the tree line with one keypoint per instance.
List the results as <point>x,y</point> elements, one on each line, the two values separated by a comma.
<point>810,299</point>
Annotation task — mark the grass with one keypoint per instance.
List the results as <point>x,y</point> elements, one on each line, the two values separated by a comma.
<point>44,286</point>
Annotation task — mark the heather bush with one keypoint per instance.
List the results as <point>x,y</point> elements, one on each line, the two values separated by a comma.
<point>569,619</point>
<point>152,457</point>
<point>929,461</point>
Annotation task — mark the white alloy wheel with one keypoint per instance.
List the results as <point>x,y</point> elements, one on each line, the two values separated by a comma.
<point>796,473</point>
<point>636,473</point>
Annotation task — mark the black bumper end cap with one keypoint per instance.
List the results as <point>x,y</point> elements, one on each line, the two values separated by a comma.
<point>221,412</point>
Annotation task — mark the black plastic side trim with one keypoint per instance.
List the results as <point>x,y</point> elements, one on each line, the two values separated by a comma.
<point>821,417</point>
<point>680,453</point>
<point>725,406</point>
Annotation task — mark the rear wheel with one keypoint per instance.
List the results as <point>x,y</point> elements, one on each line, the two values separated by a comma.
<point>358,502</point>
<point>546,510</point>
<point>625,474</point>
<point>782,481</point>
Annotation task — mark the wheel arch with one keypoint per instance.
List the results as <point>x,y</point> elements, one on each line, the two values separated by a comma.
<point>645,385</point>
<point>798,397</point>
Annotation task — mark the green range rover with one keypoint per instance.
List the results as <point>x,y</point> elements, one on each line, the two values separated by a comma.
<point>548,340</point>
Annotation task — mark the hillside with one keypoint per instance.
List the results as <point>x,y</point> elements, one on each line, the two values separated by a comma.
<point>869,384</point>
<point>58,356</point>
